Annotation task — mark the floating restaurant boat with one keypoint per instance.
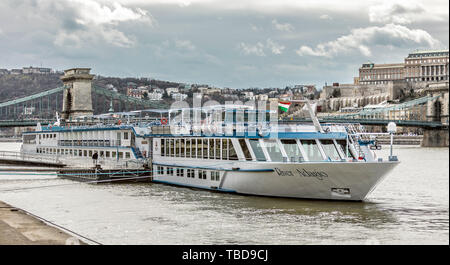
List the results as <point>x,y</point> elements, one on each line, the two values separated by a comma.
<point>242,153</point>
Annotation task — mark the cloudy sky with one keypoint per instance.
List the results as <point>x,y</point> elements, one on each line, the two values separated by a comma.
<point>226,43</point>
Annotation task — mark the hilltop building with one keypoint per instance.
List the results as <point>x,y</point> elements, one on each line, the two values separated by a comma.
<point>419,66</point>
<point>422,66</point>
<point>36,70</point>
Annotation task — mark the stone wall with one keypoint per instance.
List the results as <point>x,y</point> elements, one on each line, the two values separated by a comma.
<point>435,138</point>
<point>354,95</point>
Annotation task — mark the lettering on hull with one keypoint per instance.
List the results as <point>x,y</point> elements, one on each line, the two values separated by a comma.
<point>320,175</point>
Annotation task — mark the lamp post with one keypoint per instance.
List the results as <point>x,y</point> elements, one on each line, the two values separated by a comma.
<point>392,128</point>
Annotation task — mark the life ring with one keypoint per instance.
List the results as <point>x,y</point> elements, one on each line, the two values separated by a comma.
<point>263,130</point>
<point>163,121</point>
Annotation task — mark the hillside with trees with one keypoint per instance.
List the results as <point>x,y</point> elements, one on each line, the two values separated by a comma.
<point>21,85</point>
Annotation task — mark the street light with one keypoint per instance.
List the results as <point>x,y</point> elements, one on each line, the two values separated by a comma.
<point>392,128</point>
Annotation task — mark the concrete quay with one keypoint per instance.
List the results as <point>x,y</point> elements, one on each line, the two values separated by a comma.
<point>19,228</point>
<point>400,140</point>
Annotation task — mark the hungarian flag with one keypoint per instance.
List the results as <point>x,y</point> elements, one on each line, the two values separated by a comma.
<point>284,106</point>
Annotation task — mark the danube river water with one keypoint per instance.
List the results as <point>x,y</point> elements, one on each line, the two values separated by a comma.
<point>411,206</point>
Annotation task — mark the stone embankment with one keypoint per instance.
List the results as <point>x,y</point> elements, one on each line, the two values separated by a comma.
<point>400,139</point>
<point>19,228</point>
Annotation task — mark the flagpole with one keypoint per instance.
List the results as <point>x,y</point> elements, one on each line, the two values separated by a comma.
<point>311,113</point>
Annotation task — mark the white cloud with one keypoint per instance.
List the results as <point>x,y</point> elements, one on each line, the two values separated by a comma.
<point>281,26</point>
<point>185,44</point>
<point>258,48</point>
<point>361,39</point>
<point>325,17</point>
<point>248,49</point>
<point>255,28</point>
<point>76,39</point>
<point>276,48</point>
<point>91,12</point>
<point>396,12</point>
<point>98,22</point>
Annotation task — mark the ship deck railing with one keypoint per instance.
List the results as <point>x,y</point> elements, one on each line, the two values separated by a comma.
<point>29,157</point>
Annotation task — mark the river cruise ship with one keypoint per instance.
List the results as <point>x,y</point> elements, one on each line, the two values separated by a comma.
<point>313,161</point>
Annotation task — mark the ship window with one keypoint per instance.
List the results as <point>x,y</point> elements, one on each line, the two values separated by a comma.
<point>177,147</point>
<point>163,147</point>
<point>343,145</point>
<point>194,148</point>
<point>215,175</point>
<point>188,147</point>
<point>171,147</point>
<point>245,149</point>
<point>257,149</point>
<point>274,150</point>
<point>190,173</point>
<point>211,149</point>
<point>180,172</point>
<point>312,150</point>
<point>108,154</point>
<point>205,148</point>
<point>183,147</point>
<point>167,147</point>
<point>232,151</point>
<point>127,155</point>
<point>217,143</point>
<point>199,148</point>
<point>330,149</point>
<point>125,135</point>
<point>113,154</point>
<point>292,150</point>
<point>80,153</point>
<point>225,149</point>
<point>202,174</point>
<point>120,154</point>
<point>70,152</point>
<point>170,171</point>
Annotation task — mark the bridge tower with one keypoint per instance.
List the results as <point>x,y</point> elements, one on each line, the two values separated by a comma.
<point>77,98</point>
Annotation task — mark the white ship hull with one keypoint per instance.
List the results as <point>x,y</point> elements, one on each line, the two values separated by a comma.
<point>322,180</point>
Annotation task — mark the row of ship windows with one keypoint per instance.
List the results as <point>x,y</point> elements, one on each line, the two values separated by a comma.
<point>66,135</point>
<point>199,148</point>
<point>47,136</point>
<point>189,173</point>
<point>83,153</point>
<point>257,149</point>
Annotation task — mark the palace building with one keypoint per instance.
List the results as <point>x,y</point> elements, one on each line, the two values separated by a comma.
<point>419,66</point>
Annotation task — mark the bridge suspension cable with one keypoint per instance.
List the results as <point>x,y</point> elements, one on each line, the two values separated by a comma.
<point>32,97</point>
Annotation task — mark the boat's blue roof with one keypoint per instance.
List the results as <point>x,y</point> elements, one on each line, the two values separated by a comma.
<point>246,134</point>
